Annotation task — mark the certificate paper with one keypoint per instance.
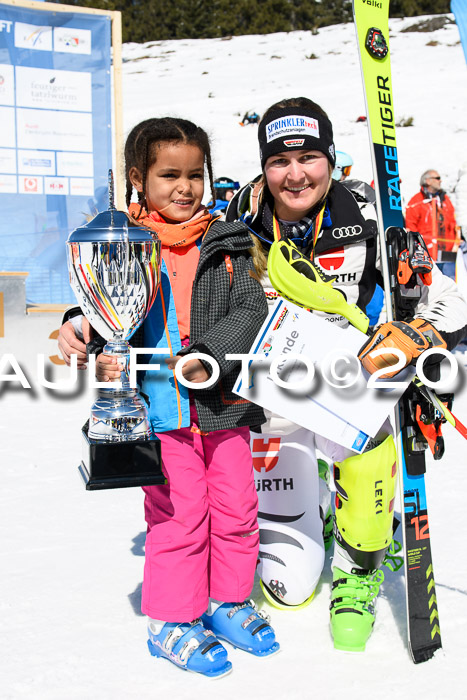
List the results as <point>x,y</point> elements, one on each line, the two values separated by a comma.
<point>348,415</point>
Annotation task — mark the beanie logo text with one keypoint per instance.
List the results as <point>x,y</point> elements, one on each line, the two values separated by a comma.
<point>292,125</point>
<point>293,143</point>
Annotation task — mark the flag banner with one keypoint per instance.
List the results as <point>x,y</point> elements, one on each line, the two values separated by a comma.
<point>55,140</point>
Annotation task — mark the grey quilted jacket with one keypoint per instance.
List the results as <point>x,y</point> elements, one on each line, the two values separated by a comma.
<point>227,312</point>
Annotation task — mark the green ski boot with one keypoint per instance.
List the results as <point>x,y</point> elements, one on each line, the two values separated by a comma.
<point>353,601</point>
<point>325,509</point>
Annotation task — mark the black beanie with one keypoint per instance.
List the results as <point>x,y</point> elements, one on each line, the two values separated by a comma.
<point>295,128</point>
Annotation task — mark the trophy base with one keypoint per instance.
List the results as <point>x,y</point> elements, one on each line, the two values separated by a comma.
<point>119,415</point>
<point>120,465</point>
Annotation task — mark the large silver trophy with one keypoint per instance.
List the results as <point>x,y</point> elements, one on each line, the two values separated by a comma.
<point>114,267</point>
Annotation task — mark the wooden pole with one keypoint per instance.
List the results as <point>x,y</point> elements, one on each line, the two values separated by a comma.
<point>119,175</point>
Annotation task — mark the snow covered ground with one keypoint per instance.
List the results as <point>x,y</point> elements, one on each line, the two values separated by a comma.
<point>215,81</point>
<point>72,561</point>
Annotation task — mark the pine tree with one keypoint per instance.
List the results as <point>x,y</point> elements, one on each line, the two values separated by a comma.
<point>155,20</point>
<point>411,8</point>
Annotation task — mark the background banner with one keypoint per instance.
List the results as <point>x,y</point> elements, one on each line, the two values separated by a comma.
<point>55,137</point>
<point>459,8</point>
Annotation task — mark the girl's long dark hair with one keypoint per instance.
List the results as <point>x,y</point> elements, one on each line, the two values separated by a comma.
<point>143,140</point>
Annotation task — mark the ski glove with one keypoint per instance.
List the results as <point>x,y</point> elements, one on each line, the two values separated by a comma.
<point>412,338</point>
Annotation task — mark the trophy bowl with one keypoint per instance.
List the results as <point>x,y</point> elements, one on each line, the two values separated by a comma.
<point>114,267</point>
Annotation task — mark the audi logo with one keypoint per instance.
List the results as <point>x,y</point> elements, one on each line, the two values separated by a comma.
<point>347,231</point>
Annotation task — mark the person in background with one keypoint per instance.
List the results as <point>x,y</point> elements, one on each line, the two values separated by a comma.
<point>461,200</point>
<point>250,117</point>
<point>224,190</point>
<point>343,166</point>
<point>431,213</point>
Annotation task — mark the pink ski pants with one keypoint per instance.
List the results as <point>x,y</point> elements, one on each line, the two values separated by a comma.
<point>202,538</point>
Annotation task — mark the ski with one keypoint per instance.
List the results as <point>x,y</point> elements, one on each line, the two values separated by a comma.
<point>371,19</point>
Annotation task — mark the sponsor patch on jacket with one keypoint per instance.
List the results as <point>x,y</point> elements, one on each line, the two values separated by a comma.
<point>294,124</point>
<point>331,260</point>
<point>347,231</point>
<point>293,143</point>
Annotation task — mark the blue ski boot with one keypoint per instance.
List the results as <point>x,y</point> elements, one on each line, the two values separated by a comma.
<point>191,647</point>
<point>244,627</point>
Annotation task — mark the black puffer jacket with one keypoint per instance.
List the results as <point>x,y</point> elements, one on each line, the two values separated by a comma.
<point>347,245</point>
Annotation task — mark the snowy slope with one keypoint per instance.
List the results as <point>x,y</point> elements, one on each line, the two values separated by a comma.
<point>72,561</point>
<point>214,81</point>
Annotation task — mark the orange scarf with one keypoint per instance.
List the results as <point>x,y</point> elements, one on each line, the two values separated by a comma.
<point>173,235</point>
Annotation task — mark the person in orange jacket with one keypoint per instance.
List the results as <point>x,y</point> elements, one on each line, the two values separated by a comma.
<point>431,213</point>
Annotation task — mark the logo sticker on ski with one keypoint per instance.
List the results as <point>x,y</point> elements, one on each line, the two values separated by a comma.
<point>376,44</point>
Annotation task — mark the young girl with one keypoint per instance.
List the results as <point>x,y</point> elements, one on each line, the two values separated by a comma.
<point>202,539</point>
